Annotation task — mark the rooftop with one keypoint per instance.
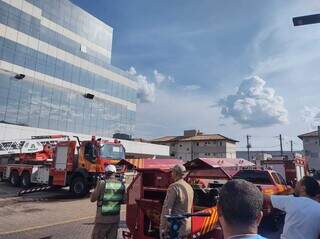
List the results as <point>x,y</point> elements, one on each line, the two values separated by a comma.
<point>310,134</point>
<point>192,136</point>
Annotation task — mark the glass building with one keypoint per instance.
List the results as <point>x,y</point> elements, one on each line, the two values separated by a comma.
<point>56,73</point>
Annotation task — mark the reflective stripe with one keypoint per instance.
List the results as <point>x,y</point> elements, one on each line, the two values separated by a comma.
<point>112,208</point>
<point>113,185</point>
<point>112,198</point>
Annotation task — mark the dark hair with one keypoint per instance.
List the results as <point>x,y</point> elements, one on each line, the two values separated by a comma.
<point>311,185</point>
<point>240,202</point>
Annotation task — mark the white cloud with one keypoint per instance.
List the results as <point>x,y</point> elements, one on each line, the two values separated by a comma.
<point>311,116</point>
<point>191,87</point>
<point>160,77</point>
<point>254,105</point>
<point>146,90</point>
<point>132,71</point>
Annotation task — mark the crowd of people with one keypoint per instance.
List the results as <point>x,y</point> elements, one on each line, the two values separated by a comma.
<point>240,207</point>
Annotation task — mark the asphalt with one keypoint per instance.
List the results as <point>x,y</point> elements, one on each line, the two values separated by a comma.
<point>55,214</point>
<point>80,229</point>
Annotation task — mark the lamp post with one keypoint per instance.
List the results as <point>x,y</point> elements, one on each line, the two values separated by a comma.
<point>306,20</point>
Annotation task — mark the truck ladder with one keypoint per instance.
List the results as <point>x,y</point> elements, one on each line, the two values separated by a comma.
<point>33,145</point>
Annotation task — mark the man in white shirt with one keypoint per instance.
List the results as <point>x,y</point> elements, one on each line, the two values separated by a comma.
<point>302,210</point>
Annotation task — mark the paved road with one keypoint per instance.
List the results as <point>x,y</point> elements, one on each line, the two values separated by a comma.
<point>52,215</point>
<point>80,229</point>
<point>55,214</point>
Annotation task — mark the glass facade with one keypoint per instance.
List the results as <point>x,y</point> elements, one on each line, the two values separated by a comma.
<point>35,103</point>
<point>29,102</point>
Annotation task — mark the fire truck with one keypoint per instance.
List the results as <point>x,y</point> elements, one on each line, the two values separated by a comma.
<point>55,161</point>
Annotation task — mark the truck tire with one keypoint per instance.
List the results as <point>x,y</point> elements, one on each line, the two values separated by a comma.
<point>79,186</point>
<point>25,180</point>
<point>14,179</point>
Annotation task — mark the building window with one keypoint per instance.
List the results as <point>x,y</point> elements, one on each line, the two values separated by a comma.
<point>180,157</point>
<point>209,154</point>
<point>209,142</point>
<point>180,145</point>
<point>187,149</point>
<point>220,143</point>
<point>197,143</point>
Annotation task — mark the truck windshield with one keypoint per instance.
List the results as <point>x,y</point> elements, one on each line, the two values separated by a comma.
<point>112,151</point>
<point>256,177</point>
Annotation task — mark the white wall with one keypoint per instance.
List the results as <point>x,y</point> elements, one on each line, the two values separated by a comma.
<point>9,132</point>
<point>312,150</point>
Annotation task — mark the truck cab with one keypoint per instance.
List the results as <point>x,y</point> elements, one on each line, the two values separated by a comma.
<point>95,155</point>
<point>268,181</point>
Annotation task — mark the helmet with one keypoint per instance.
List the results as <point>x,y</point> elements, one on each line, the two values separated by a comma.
<point>110,169</point>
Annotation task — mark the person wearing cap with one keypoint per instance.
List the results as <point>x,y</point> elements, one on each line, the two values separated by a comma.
<point>178,200</point>
<point>109,195</point>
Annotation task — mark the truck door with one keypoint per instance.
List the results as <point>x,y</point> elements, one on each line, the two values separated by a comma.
<point>60,170</point>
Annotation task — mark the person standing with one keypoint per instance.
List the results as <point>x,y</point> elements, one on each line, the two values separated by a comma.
<point>109,195</point>
<point>178,200</point>
<point>240,210</point>
<point>302,210</point>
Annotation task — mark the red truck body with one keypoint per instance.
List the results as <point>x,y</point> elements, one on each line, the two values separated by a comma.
<point>58,163</point>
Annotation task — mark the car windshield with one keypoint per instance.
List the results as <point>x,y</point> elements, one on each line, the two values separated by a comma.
<point>256,177</point>
<point>112,151</point>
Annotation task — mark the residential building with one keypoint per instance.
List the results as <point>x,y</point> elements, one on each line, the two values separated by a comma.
<point>311,149</point>
<point>56,74</point>
<point>195,144</point>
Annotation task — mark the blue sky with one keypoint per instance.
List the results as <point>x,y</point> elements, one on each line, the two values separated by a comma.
<point>229,67</point>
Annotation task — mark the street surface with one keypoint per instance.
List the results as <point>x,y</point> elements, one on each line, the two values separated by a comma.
<point>51,215</point>
<point>46,215</point>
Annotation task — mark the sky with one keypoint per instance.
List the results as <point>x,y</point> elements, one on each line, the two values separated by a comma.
<point>235,68</point>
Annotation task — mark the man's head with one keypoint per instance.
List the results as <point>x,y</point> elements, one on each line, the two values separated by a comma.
<point>110,170</point>
<point>178,172</point>
<point>307,187</point>
<point>240,207</point>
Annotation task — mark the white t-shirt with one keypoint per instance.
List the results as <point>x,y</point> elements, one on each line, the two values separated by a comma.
<point>302,216</point>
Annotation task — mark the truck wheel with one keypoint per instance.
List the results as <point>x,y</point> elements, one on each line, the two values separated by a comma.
<point>25,180</point>
<point>79,186</point>
<point>14,179</point>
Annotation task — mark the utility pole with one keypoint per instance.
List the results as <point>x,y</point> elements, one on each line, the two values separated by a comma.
<point>291,146</point>
<point>281,148</point>
<point>248,146</point>
<point>319,135</point>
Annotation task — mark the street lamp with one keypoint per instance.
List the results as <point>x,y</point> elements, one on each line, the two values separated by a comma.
<point>306,20</point>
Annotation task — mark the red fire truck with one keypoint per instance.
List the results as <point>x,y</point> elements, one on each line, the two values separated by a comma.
<point>57,161</point>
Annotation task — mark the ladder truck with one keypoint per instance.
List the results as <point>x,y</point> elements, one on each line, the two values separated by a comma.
<point>55,161</point>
